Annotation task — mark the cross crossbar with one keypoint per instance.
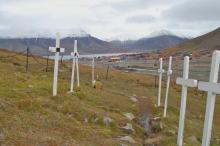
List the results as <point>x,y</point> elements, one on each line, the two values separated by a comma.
<point>55,49</point>
<point>186,82</point>
<point>209,87</point>
<point>161,70</point>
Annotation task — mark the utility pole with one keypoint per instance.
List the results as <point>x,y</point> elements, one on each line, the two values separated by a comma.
<point>107,73</point>
<point>47,62</point>
<point>61,59</point>
<point>27,58</point>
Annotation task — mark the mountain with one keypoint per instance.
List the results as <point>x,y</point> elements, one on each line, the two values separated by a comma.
<point>39,46</point>
<point>155,41</point>
<point>202,45</point>
<point>88,44</point>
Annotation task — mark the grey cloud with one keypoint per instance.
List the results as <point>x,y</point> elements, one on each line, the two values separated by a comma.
<point>130,5</point>
<point>141,19</point>
<point>103,17</point>
<point>194,11</point>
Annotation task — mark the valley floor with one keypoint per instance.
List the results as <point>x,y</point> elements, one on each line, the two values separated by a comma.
<point>30,115</point>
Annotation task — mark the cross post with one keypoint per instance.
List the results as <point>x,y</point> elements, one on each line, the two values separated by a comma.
<point>213,88</point>
<point>56,50</point>
<point>75,64</point>
<point>160,71</point>
<point>169,73</point>
<point>185,82</point>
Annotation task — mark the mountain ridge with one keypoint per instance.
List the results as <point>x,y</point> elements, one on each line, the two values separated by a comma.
<point>89,44</point>
<point>39,46</point>
<point>151,43</point>
<point>205,43</point>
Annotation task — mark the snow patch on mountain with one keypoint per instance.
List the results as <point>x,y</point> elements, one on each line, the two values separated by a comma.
<point>50,34</point>
<point>164,32</point>
<point>79,33</point>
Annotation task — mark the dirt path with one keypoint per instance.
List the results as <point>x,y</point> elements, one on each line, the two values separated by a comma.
<point>145,106</point>
<point>148,121</point>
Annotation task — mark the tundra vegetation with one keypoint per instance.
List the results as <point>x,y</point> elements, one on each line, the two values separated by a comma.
<point>92,116</point>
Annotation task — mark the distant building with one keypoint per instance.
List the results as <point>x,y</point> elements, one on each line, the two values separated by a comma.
<point>114,59</point>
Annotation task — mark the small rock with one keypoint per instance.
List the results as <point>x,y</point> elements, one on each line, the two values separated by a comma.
<point>107,121</point>
<point>69,115</point>
<point>128,139</point>
<point>95,120</point>
<point>193,139</point>
<point>156,118</point>
<point>134,99</point>
<point>85,120</point>
<point>170,132</point>
<point>121,144</point>
<point>30,86</point>
<point>2,136</point>
<point>2,105</point>
<point>16,64</point>
<point>156,125</point>
<point>69,92</point>
<point>93,83</point>
<point>129,116</point>
<point>98,85</point>
<point>128,128</point>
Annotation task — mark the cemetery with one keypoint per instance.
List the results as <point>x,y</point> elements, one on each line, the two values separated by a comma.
<point>41,107</point>
<point>109,73</point>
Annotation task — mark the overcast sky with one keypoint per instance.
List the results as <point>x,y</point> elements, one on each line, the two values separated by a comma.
<point>108,19</point>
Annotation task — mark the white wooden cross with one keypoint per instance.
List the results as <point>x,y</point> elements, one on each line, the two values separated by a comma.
<point>56,50</point>
<point>75,55</point>
<point>169,73</point>
<point>213,88</point>
<point>93,71</point>
<point>160,71</point>
<point>185,82</point>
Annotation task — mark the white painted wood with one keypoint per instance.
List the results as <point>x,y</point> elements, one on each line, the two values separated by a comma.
<point>212,88</point>
<point>160,71</point>
<point>75,65</point>
<point>77,69</point>
<point>53,49</point>
<point>57,50</point>
<point>169,73</point>
<point>55,77</point>
<point>185,82</point>
<point>73,74</point>
<point>57,47</point>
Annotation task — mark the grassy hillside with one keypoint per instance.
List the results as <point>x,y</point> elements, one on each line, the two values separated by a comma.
<point>30,115</point>
<point>202,45</point>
